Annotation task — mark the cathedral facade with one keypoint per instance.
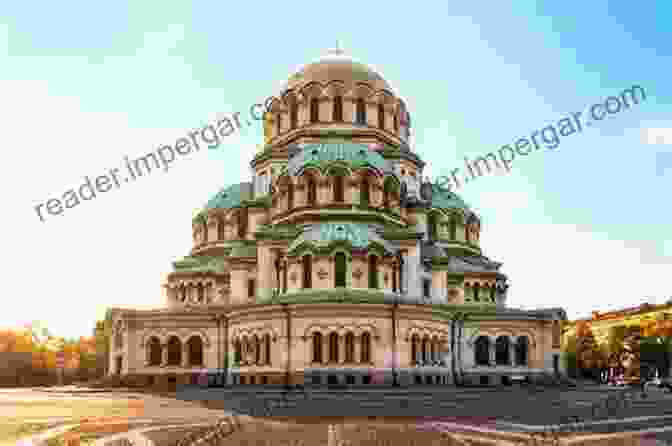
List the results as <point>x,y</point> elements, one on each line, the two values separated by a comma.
<point>336,264</point>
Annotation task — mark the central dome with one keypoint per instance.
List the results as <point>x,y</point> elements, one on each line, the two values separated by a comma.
<point>336,66</point>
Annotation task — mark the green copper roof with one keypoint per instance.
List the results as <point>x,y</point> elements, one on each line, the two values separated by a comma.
<point>359,235</point>
<point>230,197</point>
<point>444,199</point>
<point>200,264</point>
<point>322,154</point>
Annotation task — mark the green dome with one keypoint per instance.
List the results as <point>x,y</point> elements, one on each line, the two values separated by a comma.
<point>444,199</point>
<point>230,197</point>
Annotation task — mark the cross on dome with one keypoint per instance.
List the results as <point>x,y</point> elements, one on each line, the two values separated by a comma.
<point>338,51</point>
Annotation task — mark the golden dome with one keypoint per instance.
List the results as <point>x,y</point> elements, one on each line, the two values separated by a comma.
<point>336,66</point>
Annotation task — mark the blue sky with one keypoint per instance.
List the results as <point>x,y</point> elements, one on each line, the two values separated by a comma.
<point>585,226</point>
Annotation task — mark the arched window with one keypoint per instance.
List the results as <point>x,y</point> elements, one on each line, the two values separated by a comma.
<point>338,108</point>
<point>360,116</point>
<point>425,349</point>
<point>257,350</point>
<point>521,350</point>
<point>242,223</point>
<point>431,227</point>
<point>366,347</point>
<point>349,347</point>
<point>195,349</point>
<point>482,351</point>
<point>381,116</point>
<point>339,196</point>
<point>476,290</point>
<point>238,352</point>
<point>154,348</point>
<point>294,115</point>
<point>493,295</point>
<point>396,122</point>
<point>312,191</point>
<point>118,336</point>
<point>174,351</point>
<point>314,110</point>
<point>502,350</point>
<point>333,347</point>
<point>277,124</point>
<point>267,348</point>
<point>395,269</point>
<point>373,272</point>
<point>307,271</point>
<point>317,347</point>
<point>415,340</point>
<point>453,227</point>
<point>364,199</point>
<point>204,229</point>
<point>201,293</point>
<point>290,195</point>
<point>221,233</point>
<point>340,269</point>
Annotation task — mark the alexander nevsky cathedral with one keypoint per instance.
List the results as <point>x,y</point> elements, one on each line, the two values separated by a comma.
<point>336,264</point>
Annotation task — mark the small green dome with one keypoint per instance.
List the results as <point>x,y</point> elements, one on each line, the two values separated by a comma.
<point>230,197</point>
<point>444,199</point>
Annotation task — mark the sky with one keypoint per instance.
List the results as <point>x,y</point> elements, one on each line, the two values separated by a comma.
<point>585,226</point>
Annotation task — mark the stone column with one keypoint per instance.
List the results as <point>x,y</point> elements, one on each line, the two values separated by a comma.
<point>185,355</point>
<point>341,349</point>
<point>325,349</point>
<point>358,349</point>
<point>164,355</point>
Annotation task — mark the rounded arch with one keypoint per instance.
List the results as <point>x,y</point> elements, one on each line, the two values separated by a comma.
<point>154,351</point>
<point>384,97</point>
<point>317,341</point>
<point>289,96</point>
<point>482,350</point>
<point>531,337</point>
<point>195,350</point>
<point>502,350</point>
<point>309,172</point>
<point>362,90</point>
<point>522,350</point>
<point>274,105</point>
<point>312,89</point>
<point>368,172</point>
<point>337,168</point>
<point>340,263</point>
<point>391,184</point>
<point>502,332</point>
<point>174,349</point>
<point>335,88</point>
<point>205,339</point>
